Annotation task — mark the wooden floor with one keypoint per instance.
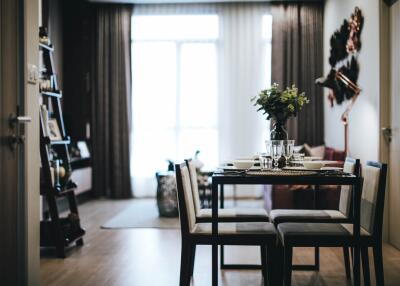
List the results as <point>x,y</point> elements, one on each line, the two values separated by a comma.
<point>145,257</point>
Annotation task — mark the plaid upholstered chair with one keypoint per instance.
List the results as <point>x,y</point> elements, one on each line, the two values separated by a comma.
<point>341,234</point>
<point>342,215</point>
<point>224,215</point>
<point>194,233</point>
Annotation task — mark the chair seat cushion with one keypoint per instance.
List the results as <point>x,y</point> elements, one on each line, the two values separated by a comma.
<point>314,234</point>
<point>284,215</point>
<point>236,213</point>
<point>237,229</point>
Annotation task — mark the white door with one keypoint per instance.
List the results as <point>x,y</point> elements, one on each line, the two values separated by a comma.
<point>394,162</point>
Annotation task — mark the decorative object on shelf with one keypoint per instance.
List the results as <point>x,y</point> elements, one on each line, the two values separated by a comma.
<point>45,84</point>
<point>53,130</point>
<point>343,59</point>
<point>280,105</point>
<point>43,36</point>
<point>45,117</point>
<point>83,149</point>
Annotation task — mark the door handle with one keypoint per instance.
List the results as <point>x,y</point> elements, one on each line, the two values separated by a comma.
<point>17,120</point>
<point>16,138</point>
<point>387,133</point>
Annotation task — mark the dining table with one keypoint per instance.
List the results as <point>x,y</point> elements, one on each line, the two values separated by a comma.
<point>286,177</point>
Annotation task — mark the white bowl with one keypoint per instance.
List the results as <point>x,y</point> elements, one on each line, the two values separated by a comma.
<point>313,165</point>
<point>243,164</point>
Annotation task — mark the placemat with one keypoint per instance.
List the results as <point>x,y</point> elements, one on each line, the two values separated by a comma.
<point>281,173</point>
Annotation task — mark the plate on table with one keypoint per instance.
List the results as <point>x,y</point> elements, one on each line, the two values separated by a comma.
<point>230,163</point>
<point>331,169</point>
<point>251,157</point>
<point>312,158</point>
<point>233,168</point>
<point>305,169</point>
<point>326,162</point>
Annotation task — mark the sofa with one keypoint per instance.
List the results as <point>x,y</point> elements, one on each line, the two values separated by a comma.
<point>302,197</point>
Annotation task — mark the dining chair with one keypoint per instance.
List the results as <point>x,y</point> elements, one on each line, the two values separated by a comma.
<point>195,233</point>
<point>296,234</point>
<point>224,215</point>
<point>342,215</point>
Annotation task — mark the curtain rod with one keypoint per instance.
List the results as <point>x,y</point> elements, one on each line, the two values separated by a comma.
<point>199,1</point>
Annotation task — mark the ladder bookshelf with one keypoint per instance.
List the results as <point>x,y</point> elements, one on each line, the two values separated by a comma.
<point>55,231</point>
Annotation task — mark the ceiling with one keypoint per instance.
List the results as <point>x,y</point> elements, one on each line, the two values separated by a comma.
<point>193,1</point>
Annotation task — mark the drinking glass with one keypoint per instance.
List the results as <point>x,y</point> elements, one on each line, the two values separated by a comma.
<point>265,160</point>
<point>276,151</point>
<point>287,150</point>
<point>298,157</point>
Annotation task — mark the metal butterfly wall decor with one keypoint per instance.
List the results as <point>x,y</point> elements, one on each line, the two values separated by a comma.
<point>345,45</point>
<point>342,78</point>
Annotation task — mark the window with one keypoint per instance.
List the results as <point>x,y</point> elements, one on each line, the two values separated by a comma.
<point>267,39</point>
<point>193,76</point>
<point>174,69</point>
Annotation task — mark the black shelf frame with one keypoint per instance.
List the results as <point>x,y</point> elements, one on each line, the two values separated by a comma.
<point>57,94</point>
<point>46,47</point>
<point>55,232</point>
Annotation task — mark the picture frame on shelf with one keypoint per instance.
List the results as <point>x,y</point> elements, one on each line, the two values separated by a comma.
<point>53,130</point>
<point>83,149</point>
<point>45,119</point>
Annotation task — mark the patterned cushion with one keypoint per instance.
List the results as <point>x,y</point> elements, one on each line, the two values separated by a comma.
<point>309,234</point>
<point>282,215</point>
<point>290,229</point>
<point>316,232</point>
<point>316,151</point>
<point>195,186</point>
<point>235,213</point>
<point>249,228</point>
<point>187,189</point>
<point>369,197</point>
<point>345,191</point>
<point>349,227</point>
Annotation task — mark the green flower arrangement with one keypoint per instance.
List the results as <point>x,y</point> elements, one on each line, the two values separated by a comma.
<point>278,104</point>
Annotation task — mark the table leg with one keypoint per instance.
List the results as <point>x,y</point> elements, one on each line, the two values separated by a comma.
<point>214,222</point>
<point>316,189</point>
<point>222,196</point>
<point>356,266</point>
<point>221,205</point>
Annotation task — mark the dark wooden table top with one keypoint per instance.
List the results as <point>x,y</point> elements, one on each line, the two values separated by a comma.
<point>285,177</point>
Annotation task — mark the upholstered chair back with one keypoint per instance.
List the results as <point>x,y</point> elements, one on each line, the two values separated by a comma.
<point>195,186</point>
<point>351,166</point>
<point>372,197</point>
<point>187,214</point>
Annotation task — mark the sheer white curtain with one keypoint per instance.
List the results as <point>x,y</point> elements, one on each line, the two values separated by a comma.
<point>242,68</point>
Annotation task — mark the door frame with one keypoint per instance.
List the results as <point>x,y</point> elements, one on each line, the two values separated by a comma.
<point>384,100</point>
<point>386,112</point>
<point>32,147</point>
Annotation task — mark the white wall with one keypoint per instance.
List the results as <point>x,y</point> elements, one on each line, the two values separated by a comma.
<point>364,117</point>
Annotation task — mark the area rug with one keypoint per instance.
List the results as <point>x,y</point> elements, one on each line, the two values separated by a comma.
<point>141,214</point>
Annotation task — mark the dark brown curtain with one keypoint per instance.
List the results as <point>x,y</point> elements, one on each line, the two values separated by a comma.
<point>112,102</point>
<point>297,58</point>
